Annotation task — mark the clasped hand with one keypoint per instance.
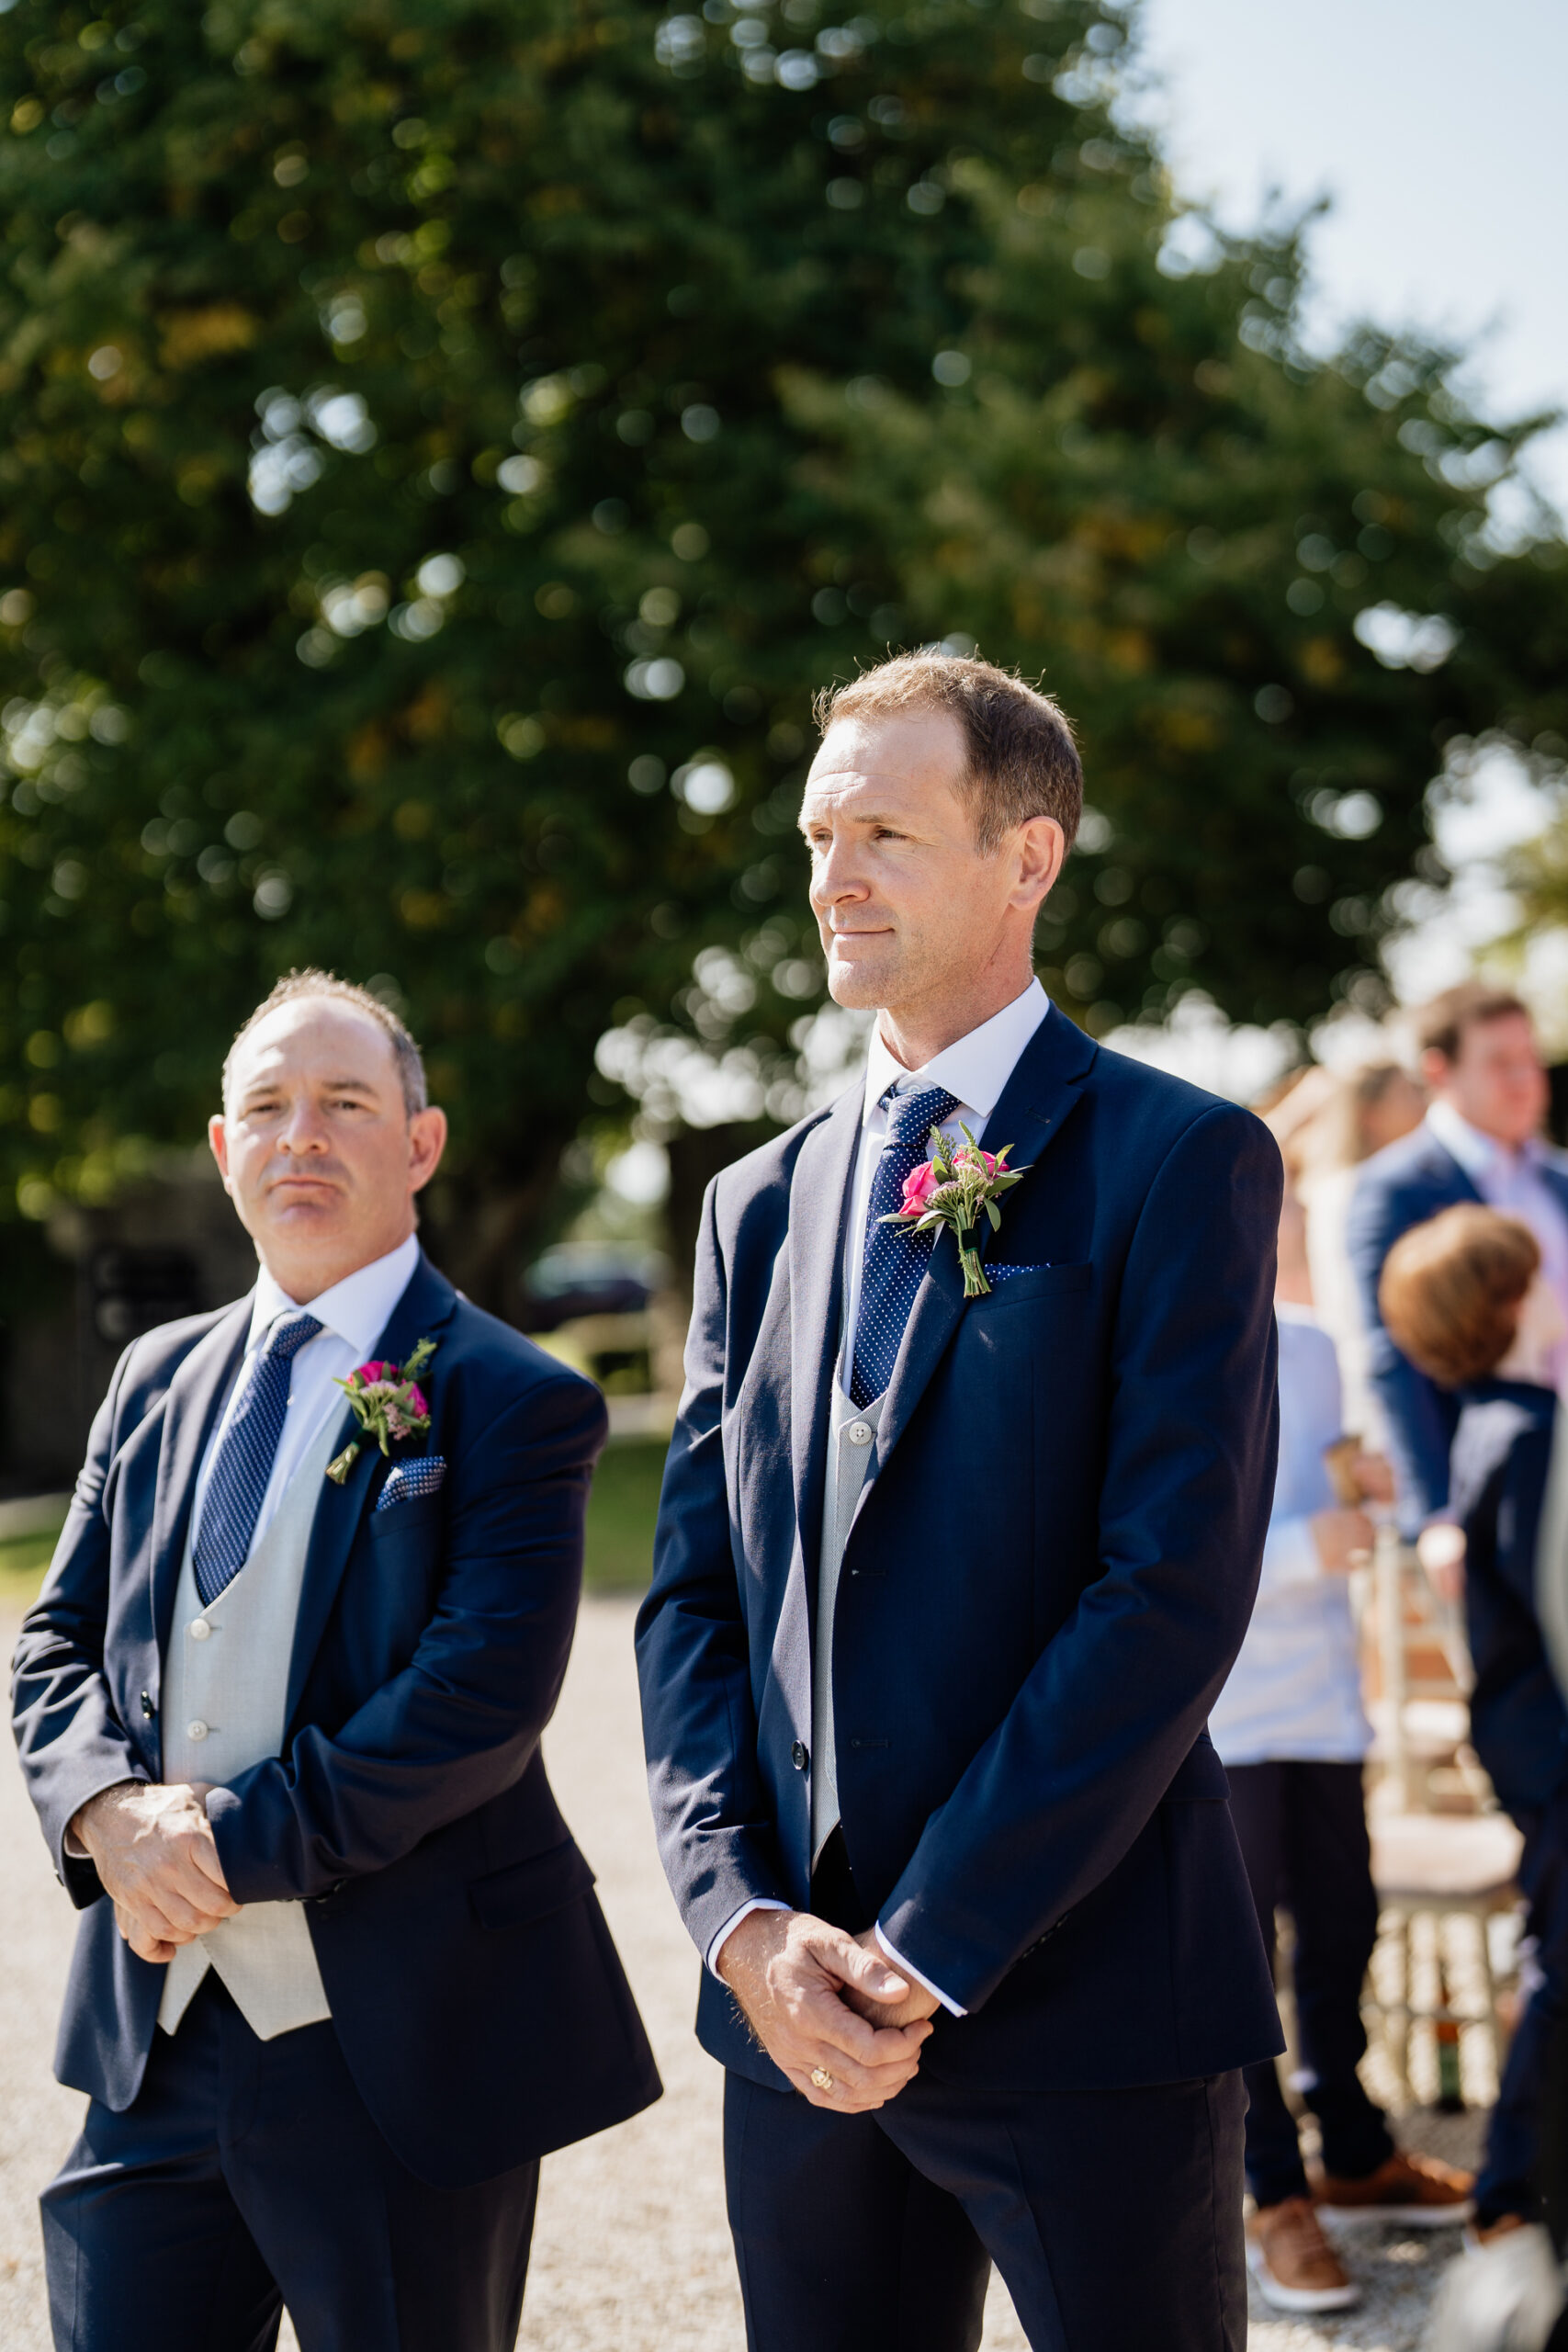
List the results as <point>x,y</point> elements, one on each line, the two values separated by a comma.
<point>155,1855</point>
<point>823,2002</point>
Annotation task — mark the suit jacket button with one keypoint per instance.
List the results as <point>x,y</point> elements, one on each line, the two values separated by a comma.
<point>148,1709</point>
<point>798,1756</point>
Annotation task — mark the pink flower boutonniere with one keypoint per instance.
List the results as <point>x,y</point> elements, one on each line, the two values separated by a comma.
<point>952,1188</point>
<point>389,1404</point>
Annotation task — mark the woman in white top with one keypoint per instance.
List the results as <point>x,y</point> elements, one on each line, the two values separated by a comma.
<point>1293,1734</point>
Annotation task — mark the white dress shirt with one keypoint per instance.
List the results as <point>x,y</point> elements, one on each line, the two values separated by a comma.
<point>974,1070</point>
<point>352,1315</point>
<point>1512,1181</point>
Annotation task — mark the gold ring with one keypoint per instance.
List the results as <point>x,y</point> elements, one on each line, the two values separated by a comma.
<point>822,2078</point>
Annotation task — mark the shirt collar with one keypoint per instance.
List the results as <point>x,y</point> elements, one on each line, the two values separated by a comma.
<point>974,1068</point>
<point>1477,1153</point>
<point>358,1309</point>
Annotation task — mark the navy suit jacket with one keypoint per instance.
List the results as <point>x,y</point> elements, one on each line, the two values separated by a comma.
<point>1502,1453</point>
<point>479,2000</point>
<point>1044,1586</point>
<point>1402,1185</point>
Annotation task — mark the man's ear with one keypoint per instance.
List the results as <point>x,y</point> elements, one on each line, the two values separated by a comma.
<point>1436,1068</point>
<point>1041,852</point>
<point>427,1141</point>
<point>217,1137</point>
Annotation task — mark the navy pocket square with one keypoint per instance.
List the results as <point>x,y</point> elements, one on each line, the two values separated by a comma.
<point>407,1481</point>
<point>1000,1273</point>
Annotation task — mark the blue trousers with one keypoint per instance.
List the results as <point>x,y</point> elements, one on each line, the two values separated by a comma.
<point>1113,2216</point>
<point>1302,1828</point>
<point>1510,2179</point>
<point>248,2175</point>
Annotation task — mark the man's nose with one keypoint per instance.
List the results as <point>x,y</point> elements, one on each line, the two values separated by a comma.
<point>836,878</point>
<point>303,1130</point>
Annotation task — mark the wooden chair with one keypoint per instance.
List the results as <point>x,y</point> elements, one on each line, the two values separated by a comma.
<point>1438,1865</point>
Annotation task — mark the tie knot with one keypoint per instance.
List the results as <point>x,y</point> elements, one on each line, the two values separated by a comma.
<point>286,1338</point>
<point>911,1117</point>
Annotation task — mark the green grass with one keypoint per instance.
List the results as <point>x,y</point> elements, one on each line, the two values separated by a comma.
<point>621,1512</point>
<point>620,1528</point>
<point>22,1563</point>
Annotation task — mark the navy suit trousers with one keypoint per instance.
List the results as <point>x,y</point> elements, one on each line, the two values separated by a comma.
<point>1510,2180</point>
<point>246,2176</point>
<point>1113,2215</point>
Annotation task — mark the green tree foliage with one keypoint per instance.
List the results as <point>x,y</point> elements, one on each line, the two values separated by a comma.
<point>444,445</point>
<point>1536,872</point>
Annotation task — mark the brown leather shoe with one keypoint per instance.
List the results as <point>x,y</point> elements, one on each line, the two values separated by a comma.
<point>1422,2192</point>
<point>1295,2267</point>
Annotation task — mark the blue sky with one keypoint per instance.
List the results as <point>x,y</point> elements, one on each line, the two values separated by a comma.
<point>1437,130</point>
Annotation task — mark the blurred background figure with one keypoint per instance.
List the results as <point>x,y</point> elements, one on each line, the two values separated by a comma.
<point>1328,1125</point>
<point>1480,1141</point>
<point>1467,1300</point>
<point>1293,1734</point>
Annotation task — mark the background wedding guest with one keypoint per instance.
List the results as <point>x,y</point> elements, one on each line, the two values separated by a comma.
<point>1367,1109</point>
<point>1292,1736</point>
<point>341,1978</point>
<point>1466,1297</point>
<point>1480,1141</point>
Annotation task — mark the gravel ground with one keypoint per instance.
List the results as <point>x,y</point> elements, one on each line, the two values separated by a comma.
<point>631,2253</point>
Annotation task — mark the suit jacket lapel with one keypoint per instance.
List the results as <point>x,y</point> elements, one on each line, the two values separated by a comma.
<point>195,1400</point>
<point>1031,1113</point>
<point>1443,1166</point>
<point>425,1306</point>
<point>819,1204</point>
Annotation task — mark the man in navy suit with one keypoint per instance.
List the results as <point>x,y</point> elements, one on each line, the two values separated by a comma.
<point>341,1980</point>
<point>1480,1141</point>
<point>943,1589</point>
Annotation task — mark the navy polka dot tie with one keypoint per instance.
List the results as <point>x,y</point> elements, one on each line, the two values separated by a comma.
<point>243,1466</point>
<point>896,1256</point>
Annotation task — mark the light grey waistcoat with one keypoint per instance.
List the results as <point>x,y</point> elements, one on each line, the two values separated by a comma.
<point>225,1689</point>
<point>851,1446</point>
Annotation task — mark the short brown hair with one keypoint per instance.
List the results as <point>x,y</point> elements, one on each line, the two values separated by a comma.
<point>294,985</point>
<point>1021,759</point>
<point>1450,1289</point>
<point>1440,1025</point>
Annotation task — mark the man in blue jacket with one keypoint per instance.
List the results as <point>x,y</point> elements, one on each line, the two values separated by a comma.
<point>947,1576</point>
<point>1467,1298</point>
<point>341,1979</point>
<point>1480,1141</point>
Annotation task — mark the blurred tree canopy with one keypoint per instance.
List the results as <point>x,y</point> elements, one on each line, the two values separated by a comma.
<point>443,445</point>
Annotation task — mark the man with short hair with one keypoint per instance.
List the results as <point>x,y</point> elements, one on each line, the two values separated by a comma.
<point>948,1573</point>
<point>341,1980</point>
<point>1479,1141</point>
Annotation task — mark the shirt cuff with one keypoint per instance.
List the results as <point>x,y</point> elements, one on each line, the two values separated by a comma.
<point>907,1968</point>
<point>758,1903</point>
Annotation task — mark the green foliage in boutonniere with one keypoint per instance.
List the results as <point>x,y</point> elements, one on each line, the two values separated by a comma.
<point>388,1405</point>
<point>952,1188</point>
